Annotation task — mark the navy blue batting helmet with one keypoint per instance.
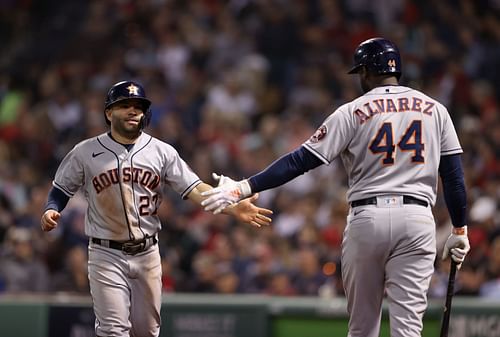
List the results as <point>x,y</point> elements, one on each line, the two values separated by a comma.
<point>379,56</point>
<point>125,90</point>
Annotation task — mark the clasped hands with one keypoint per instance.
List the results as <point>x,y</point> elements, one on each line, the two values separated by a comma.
<point>227,192</point>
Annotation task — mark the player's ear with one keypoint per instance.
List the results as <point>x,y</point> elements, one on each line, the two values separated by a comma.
<point>107,115</point>
<point>363,72</point>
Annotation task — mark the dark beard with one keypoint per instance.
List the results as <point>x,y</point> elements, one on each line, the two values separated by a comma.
<point>127,132</point>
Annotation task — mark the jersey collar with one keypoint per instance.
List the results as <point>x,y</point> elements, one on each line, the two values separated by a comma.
<point>116,147</point>
<point>388,89</point>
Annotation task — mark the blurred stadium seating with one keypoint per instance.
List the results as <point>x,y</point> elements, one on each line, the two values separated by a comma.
<point>234,84</point>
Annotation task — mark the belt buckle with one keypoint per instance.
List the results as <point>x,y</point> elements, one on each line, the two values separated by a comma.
<point>132,248</point>
<point>390,201</point>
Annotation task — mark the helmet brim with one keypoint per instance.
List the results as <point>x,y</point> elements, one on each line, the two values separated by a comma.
<point>355,69</point>
<point>146,102</point>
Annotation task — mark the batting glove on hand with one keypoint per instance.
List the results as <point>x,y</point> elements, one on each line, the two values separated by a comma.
<point>457,245</point>
<point>228,192</point>
<point>222,179</point>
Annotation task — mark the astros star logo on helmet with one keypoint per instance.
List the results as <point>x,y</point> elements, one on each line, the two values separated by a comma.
<point>133,90</point>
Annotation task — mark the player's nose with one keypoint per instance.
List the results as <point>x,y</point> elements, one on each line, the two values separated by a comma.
<point>134,110</point>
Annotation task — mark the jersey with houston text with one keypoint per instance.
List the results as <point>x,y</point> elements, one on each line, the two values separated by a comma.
<point>123,188</point>
<point>390,141</point>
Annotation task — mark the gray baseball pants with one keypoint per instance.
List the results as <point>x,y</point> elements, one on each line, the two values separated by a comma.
<point>388,250</point>
<point>126,291</point>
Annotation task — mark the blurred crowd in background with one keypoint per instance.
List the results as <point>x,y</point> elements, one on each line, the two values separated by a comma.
<point>235,84</point>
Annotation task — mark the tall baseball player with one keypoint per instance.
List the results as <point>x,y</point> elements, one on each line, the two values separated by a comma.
<point>122,174</point>
<point>393,141</point>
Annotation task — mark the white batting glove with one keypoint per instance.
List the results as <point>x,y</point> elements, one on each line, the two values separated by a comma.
<point>228,192</point>
<point>222,179</point>
<point>457,245</point>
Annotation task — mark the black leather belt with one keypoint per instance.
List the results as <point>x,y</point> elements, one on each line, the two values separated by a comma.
<point>373,201</point>
<point>128,247</point>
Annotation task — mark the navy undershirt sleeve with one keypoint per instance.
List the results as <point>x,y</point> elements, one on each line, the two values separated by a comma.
<point>56,200</point>
<point>284,169</point>
<point>452,177</point>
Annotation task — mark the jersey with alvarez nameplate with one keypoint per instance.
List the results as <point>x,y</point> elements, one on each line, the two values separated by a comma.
<point>398,135</point>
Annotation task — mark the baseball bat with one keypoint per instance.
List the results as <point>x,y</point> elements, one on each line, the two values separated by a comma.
<point>449,295</point>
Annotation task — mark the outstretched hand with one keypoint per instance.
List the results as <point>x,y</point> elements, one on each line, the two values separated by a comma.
<point>246,211</point>
<point>231,197</point>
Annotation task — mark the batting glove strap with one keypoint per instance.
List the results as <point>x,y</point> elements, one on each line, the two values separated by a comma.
<point>459,230</point>
<point>457,245</point>
<point>245,188</point>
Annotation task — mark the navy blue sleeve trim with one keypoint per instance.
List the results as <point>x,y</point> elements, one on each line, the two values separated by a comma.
<point>452,177</point>
<point>190,188</point>
<point>63,189</point>
<point>57,200</point>
<point>284,169</point>
<point>317,154</point>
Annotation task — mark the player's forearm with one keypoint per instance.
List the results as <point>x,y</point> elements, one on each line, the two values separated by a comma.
<point>452,177</point>
<point>195,194</point>
<point>56,200</point>
<point>284,169</point>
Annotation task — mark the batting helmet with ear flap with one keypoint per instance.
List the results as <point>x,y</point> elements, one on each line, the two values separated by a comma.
<point>379,56</point>
<point>126,90</point>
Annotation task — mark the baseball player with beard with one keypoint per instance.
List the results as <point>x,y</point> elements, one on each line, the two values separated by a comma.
<point>122,174</point>
<point>393,142</point>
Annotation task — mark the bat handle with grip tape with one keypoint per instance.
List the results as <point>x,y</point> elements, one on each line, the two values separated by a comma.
<point>449,295</point>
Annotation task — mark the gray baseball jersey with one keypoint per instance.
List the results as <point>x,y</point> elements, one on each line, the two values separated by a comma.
<point>390,139</point>
<point>123,188</point>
